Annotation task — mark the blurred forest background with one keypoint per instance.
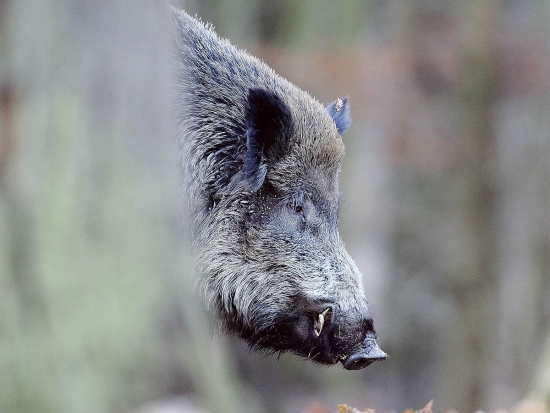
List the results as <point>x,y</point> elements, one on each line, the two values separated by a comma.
<point>446,208</point>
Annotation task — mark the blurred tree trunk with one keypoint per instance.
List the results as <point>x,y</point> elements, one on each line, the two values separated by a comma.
<point>476,187</point>
<point>541,384</point>
<point>524,230</point>
<point>447,292</point>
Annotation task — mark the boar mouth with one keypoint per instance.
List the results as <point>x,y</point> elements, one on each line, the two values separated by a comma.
<point>316,333</point>
<point>305,332</point>
<point>320,326</point>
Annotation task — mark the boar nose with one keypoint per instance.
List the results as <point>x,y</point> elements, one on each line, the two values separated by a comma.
<point>365,356</point>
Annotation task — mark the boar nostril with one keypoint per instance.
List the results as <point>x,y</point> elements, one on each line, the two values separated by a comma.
<point>358,362</point>
<point>363,359</point>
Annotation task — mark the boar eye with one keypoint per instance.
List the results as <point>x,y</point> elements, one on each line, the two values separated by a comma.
<point>298,209</point>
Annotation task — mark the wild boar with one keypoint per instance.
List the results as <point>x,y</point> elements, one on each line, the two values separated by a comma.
<point>260,161</point>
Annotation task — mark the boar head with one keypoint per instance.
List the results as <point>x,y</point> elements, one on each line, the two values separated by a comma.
<point>277,272</point>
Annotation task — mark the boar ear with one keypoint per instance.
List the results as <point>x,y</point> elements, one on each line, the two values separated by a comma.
<point>268,129</point>
<point>339,112</point>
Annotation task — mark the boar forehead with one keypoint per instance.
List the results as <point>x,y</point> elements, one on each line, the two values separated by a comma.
<point>316,139</point>
<point>314,158</point>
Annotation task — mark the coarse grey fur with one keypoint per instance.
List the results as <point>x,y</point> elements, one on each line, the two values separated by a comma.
<point>260,161</point>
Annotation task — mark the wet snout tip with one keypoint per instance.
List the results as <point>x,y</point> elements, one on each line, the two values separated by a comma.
<point>363,359</point>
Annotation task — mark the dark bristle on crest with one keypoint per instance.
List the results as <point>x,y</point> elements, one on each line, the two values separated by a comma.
<point>340,113</point>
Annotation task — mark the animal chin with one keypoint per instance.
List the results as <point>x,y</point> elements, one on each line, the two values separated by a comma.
<point>325,358</point>
<point>321,352</point>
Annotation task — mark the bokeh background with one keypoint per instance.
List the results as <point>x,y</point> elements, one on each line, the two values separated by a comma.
<point>446,206</point>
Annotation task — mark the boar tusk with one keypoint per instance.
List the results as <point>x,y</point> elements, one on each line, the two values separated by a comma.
<point>319,327</point>
<point>320,322</point>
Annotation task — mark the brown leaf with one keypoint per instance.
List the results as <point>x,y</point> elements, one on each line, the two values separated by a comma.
<point>427,408</point>
<point>344,408</point>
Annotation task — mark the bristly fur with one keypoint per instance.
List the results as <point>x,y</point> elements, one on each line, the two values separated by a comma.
<point>260,161</point>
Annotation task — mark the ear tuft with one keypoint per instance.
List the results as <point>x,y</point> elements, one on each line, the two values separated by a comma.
<point>268,131</point>
<point>339,112</point>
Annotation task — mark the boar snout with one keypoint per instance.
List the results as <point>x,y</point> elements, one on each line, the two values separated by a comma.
<point>368,353</point>
<point>336,335</point>
<point>354,340</point>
